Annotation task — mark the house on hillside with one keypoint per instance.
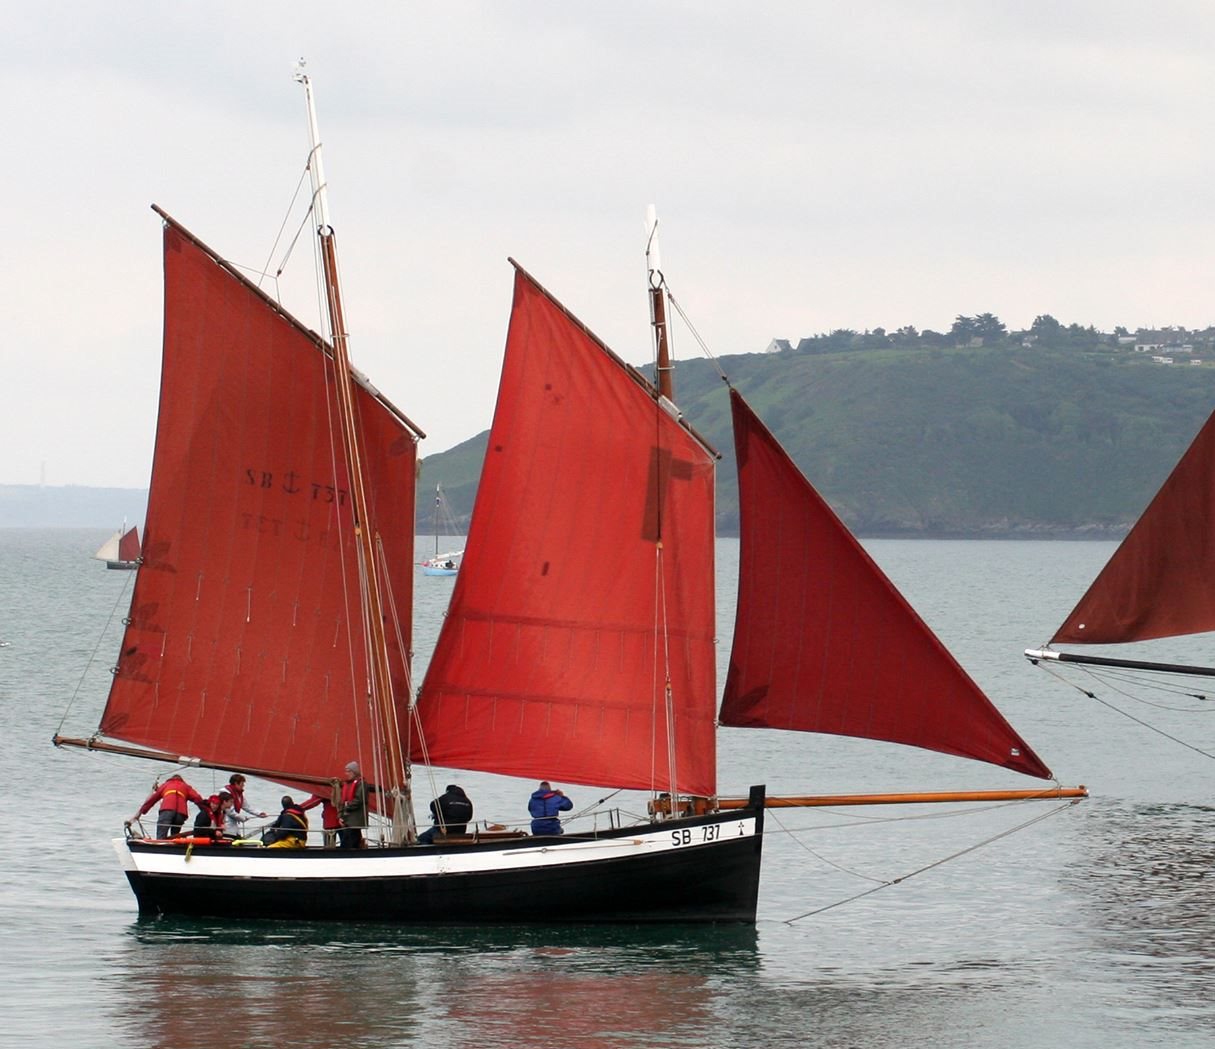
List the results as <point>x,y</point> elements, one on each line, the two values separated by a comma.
<point>779,346</point>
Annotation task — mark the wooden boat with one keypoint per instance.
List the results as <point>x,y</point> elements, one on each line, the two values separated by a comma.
<point>270,622</point>
<point>121,550</point>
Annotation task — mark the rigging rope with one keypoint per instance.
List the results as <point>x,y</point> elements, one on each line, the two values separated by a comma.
<point>126,586</point>
<point>696,335</point>
<point>936,863</point>
<point>1126,714</point>
<point>286,216</point>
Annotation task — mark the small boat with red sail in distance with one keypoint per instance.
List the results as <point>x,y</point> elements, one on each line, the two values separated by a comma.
<point>121,550</point>
<point>579,644</point>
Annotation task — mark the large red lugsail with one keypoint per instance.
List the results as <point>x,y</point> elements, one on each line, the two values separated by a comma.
<point>824,642</point>
<point>245,646</point>
<point>593,525</point>
<point>1159,581</point>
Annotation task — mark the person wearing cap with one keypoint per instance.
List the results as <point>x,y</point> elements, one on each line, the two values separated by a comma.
<point>290,830</point>
<point>174,795</point>
<point>544,805</point>
<point>209,823</point>
<point>451,811</point>
<point>352,808</point>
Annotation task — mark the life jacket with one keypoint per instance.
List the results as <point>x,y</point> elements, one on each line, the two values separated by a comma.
<point>238,797</point>
<point>291,823</point>
<point>350,789</point>
<point>329,812</point>
<point>206,823</point>
<point>174,795</point>
<point>294,814</point>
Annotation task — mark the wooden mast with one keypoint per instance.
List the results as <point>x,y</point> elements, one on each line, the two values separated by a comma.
<point>380,679</point>
<point>663,380</point>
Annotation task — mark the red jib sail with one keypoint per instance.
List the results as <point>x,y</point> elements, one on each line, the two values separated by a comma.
<point>128,545</point>
<point>823,642</point>
<point>593,525</point>
<point>1158,583</point>
<point>245,645</point>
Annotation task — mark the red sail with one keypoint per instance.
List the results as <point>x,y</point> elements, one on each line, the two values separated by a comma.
<point>823,642</point>
<point>594,515</point>
<point>1158,583</point>
<point>128,545</point>
<point>244,645</point>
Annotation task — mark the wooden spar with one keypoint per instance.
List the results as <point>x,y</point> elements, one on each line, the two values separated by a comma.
<point>178,759</point>
<point>666,398</point>
<point>923,798</point>
<point>658,308</point>
<point>1109,661</point>
<point>372,602</point>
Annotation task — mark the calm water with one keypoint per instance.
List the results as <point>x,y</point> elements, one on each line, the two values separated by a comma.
<point>1090,928</point>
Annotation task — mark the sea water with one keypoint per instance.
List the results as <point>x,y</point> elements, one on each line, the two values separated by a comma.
<point>943,926</point>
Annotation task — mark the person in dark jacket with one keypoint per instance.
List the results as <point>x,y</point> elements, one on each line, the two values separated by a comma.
<point>352,808</point>
<point>452,811</point>
<point>544,805</point>
<point>174,795</point>
<point>290,830</point>
<point>209,823</point>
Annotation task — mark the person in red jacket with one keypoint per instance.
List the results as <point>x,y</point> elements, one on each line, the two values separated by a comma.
<point>174,795</point>
<point>331,822</point>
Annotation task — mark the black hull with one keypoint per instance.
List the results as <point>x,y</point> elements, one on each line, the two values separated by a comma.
<point>713,881</point>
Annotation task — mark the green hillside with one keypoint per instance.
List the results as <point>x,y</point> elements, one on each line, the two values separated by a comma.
<point>934,441</point>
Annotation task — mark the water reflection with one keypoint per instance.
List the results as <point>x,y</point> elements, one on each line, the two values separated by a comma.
<point>326,985</point>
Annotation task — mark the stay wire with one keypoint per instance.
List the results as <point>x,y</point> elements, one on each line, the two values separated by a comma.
<point>819,856</point>
<point>936,863</point>
<point>1126,714</point>
<point>101,634</point>
<point>286,217</point>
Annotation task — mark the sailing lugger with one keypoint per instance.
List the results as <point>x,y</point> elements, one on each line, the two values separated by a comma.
<point>270,623</point>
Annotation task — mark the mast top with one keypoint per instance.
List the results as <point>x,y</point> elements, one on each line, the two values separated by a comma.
<point>653,257</point>
<point>315,167</point>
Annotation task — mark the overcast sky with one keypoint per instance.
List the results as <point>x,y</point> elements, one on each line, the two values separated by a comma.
<point>815,166</point>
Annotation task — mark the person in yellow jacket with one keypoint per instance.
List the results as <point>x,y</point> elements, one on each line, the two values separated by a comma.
<point>290,830</point>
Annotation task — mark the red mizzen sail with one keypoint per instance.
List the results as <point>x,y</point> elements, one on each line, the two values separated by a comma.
<point>550,664</point>
<point>823,642</point>
<point>1159,581</point>
<point>245,646</point>
<point>128,545</point>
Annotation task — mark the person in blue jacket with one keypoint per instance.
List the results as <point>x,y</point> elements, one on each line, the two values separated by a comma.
<point>544,805</point>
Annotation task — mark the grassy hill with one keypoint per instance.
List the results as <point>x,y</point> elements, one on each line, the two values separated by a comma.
<point>936,442</point>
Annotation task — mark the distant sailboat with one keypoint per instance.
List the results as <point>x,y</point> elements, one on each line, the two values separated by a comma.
<point>442,523</point>
<point>121,550</point>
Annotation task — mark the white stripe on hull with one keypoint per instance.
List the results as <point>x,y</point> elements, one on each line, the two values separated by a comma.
<point>222,861</point>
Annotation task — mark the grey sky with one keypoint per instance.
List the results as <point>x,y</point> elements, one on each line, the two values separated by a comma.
<point>815,166</point>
